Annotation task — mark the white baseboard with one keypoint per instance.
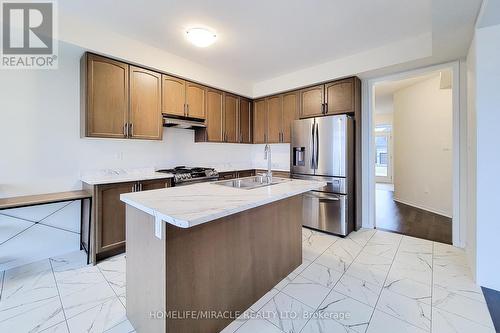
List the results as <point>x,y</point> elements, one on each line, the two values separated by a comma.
<point>432,210</point>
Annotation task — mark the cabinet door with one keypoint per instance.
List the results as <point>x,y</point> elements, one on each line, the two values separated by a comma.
<point>173,96</point>
<point>231,104</point>
<point>227,175</point>
<point>246,173</point>
<point>156,184</point>
<point>340,96</point>
<point>145,104</point>
<point>260,121</point>
<point>290,113</point>
<point>245,121</point>
<point>274,119</point>
<point>107,97</point>
<point>111,216</point>
<point>311,101</point>
<point>195,100</point>
<point>214,115</point>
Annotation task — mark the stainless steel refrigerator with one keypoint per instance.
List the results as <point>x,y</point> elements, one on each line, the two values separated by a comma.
<point>322,149</point>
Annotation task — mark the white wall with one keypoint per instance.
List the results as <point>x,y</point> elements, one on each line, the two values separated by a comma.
<point>384,56</point>
<point>383,118</point>
<point>484,65</point>
<point>470,243</point>
<point>422,142</point>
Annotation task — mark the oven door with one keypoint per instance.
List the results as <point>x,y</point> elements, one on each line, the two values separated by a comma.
<point>327,212</point>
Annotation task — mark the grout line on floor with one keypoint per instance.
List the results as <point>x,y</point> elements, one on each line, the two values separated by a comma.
<point>316,310</point>
<point>385,280</point>
<point>1,284</point>
<point>432,284</point>
<point>59,294</point>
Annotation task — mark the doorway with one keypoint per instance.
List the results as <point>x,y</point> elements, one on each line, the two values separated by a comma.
<point>412,142</point>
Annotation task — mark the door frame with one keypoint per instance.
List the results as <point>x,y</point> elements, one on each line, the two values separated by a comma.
<point>459,150</point>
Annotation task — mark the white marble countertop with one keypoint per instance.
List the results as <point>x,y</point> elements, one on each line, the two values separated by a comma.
<point>188,206</point>
<point>110,176</point>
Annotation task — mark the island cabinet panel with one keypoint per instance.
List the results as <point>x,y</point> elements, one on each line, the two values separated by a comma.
<point>290,113</point>
<point>223,265</point>
<point>106,96</point>
<point>245,121</point>
<point>231,106</point>
<point>173,96</point>
<point>340,96</point>
<point>274,119</point>
<point>145,104</point>
<point>195,100</point>
<point>260,121</point>
<point>311,101</point>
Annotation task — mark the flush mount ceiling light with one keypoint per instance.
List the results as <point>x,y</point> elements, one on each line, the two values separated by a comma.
<point>201,37</point>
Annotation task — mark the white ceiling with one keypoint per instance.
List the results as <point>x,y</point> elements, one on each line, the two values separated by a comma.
<point>260,39</point>
<point>384,91</point>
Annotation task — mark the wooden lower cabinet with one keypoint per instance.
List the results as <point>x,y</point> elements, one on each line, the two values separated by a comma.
<point>246,173</point>
<point>228,175</point>
<point>109,214</point>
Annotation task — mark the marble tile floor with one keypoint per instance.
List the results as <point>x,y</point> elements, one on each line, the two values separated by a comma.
<point>370,281</point>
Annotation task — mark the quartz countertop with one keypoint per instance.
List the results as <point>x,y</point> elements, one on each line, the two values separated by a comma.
<point>110,176</point>
<point>188,206</point>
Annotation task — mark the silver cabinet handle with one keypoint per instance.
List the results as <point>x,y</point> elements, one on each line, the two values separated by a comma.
<point>140,186</point>
<point>125,130</point>
<point>326,108</point>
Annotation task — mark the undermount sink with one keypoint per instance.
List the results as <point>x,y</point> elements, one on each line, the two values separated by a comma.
<point>249,183</point>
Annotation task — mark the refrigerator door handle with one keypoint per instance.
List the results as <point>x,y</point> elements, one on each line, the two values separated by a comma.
<point>313,145</point>
<point>316,146</point>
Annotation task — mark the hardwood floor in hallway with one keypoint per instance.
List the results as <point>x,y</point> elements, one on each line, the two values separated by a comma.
<point>408,220</point>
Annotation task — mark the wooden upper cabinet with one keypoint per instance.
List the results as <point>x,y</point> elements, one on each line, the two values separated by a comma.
<point>145,104</point>
<point>231,105</point>
<point>195,100</point>
<point>245,121</point>
<point>215,105</point>
<point>274,117</point>
<point>311,101</point>
<point>290,113</point>
<point>260,121</point>
<point>173,96</point>
<point>107,94</point>
<point>340,96</point>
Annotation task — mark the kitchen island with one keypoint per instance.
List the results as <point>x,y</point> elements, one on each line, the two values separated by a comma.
<point>200,255</point>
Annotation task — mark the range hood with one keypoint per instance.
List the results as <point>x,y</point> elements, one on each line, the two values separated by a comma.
<point>182,123</point>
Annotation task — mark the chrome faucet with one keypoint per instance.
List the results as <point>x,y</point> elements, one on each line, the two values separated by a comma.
<point>267,156</point>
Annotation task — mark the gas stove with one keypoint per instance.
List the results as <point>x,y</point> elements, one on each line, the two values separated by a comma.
<point>184,175</point>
